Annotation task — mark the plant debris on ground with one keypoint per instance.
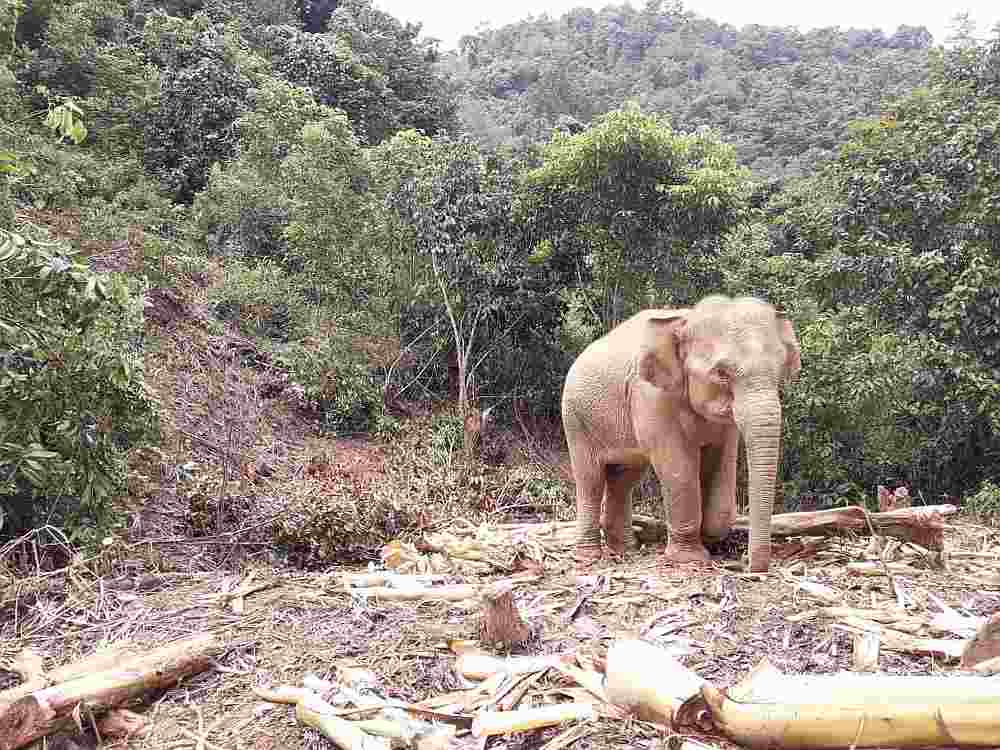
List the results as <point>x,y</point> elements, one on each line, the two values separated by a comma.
<point>278,627</point>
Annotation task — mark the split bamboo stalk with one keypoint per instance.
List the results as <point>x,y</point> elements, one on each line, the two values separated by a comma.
<point>479,666</point>
<point>894,640</point>
<point>315,712</point>
<point>648,681</point>
<point>771,709</point>
<point>367,580</point>
<point>866,650</point>
<point>46,710</point>
<point>488,723</point>
<point>454,593</point>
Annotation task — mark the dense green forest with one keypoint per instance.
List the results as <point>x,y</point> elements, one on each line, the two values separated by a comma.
<point>384,225</point>
<point>783,98</point>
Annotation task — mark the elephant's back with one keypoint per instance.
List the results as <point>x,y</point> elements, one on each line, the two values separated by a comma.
<point>598,376</point>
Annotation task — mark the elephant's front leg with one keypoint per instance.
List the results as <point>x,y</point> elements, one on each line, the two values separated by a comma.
<point>718,483</point>
<point>680,473</point>
<point>618,508</point>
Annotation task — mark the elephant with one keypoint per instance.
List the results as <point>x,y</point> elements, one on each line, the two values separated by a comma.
<point>676,389</point>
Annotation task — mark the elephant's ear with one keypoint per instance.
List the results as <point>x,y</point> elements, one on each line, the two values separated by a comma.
<point>661,351</point>
<point>793,356</point>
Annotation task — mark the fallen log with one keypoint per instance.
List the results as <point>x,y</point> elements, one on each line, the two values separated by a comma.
<point>771,709</point>
<point>45,710</point>
<point>921,524</point>
<point>95,662</point>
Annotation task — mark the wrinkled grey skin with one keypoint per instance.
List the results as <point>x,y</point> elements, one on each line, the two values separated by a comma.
<point>676,389</point>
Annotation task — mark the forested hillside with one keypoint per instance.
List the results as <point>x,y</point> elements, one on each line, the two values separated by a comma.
<point>234,228</point>
<point>782,97</point>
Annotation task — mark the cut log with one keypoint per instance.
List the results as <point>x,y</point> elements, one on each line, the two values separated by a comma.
<point>95,662</point>
<point>771,709</point>
<point>45,710</point>
<point>921,524</point>
<point>648,681</point>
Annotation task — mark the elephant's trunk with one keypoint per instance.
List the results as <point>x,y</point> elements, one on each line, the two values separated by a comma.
<point>758,414</point>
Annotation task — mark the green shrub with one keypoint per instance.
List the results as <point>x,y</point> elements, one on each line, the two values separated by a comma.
<point>447,436</point>
<point>73,398</point>
<point>985,501</point>
<point>262,301</point>
<point>340,385</point>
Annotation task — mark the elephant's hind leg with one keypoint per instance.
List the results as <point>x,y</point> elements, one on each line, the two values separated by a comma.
<point>589,477</point>
<point>618,508</point>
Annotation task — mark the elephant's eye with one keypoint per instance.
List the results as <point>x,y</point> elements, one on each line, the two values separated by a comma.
<point>720,375</point>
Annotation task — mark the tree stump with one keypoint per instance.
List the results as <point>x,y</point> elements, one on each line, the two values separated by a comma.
<point>500,623</point>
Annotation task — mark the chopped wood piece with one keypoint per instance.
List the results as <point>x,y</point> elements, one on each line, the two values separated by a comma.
<point>95,662</point>
<point>648,681</point>
<point>488,723</point>
<point>985,644</point>
<point>866,648</point>
<point>771,709</point>
<point>45,710</point>
<point>500,623</point>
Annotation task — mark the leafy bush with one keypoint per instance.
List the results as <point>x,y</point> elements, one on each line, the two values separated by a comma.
<point>340,525</point>
<point>204,86</point>
<point>340,384</point>
<point>985,501</point>
<point>261,300</point>
<point>73,398</point>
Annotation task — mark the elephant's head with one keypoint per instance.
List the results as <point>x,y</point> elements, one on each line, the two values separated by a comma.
<point>729,357</point>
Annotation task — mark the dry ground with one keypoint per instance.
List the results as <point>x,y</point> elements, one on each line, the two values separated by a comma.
<point>718,622</point>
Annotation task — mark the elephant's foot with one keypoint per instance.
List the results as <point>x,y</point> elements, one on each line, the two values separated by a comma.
<point>622,547</point>
<point>587,556</point>
<point>685,552</point>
